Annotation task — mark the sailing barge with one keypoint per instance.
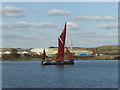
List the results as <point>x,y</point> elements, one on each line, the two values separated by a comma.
<point>60,56</point>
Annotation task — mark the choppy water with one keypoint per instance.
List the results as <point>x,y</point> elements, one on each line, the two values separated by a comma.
<point>83,74</point>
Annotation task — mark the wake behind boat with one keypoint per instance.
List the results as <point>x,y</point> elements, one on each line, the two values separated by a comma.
<point>60,55</point>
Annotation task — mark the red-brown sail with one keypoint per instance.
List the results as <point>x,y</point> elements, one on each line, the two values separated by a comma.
<point>43,55</point>
<point>69,56</point>
<point>61,43</point>
<point>60,54</point>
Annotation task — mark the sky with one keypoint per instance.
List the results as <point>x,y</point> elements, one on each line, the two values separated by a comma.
<point>38,24</point>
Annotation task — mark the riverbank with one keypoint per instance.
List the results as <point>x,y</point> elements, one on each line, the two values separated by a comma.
<point>87,57</point>
<point>99,53</point>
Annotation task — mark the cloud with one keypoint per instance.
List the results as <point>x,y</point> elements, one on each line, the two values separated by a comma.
<point>9,11</point>
<point>94,18</point>
<point>10,36</point>
<point>90,39</point>
<point>24,40</point>
<point>94,35</point>
<point>107,26</point>
<point>30,25</point>
<point>57,12</point>
<point>3,25</point>
<point>70,26</point>
<point>26,25</point>
<point>73,26</point>
<point>44,25</point>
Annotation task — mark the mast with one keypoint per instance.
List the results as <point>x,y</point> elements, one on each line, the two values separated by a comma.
<point>61,44</point>
<point>43,55</point>
<point>70,42</point>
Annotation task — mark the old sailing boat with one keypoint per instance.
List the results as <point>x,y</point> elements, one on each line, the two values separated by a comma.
<point>60,56</point>
<point>43,57</point>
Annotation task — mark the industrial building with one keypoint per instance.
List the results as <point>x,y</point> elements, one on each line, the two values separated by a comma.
<point>53,51</point>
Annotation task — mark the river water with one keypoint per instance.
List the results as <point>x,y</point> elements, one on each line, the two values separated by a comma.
<point>83,74</point>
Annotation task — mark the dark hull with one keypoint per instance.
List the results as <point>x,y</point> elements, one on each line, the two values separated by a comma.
<point>61,63</point>
<point>118,57</point>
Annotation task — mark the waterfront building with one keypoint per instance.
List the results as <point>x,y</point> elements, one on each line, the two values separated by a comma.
<point>24,52</point>
<point>53,51</point>
<point>7,52</point>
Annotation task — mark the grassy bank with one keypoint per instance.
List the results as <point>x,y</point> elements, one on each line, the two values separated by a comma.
<point>106,50</point>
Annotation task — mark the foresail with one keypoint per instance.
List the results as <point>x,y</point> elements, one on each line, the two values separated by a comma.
<point>69,56</point>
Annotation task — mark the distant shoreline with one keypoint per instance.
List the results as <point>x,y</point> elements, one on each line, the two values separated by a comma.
<point>84,57</point>
<point>54,59</point>
<point>75,60</point>
<point>40,60</point>
<point>99,53</point>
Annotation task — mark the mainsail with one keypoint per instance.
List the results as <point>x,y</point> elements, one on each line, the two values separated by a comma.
<point>61,43</point>
<point>43,55</point>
